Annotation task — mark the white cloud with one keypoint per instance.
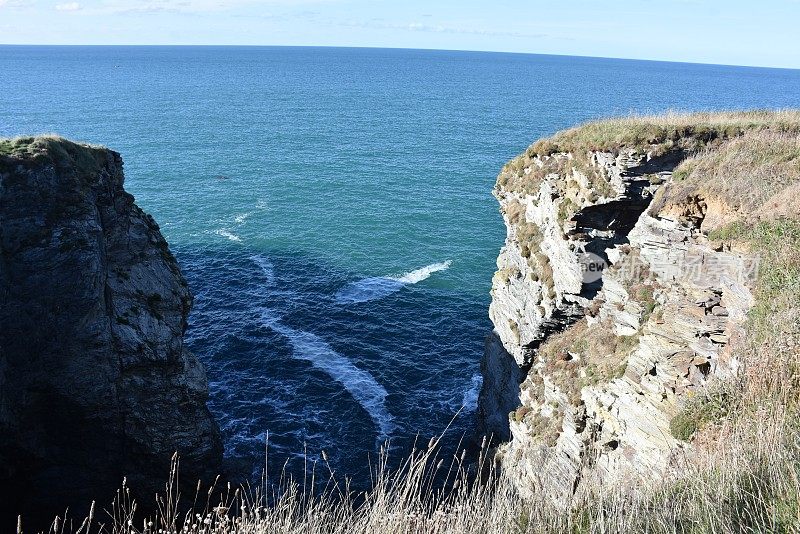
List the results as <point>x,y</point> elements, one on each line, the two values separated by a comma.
<point>69,6</point>
<point>15,3</point>
<point>146,7</point>
<point>418,27</point>
<point>194,6</point>
<point>431,28</point>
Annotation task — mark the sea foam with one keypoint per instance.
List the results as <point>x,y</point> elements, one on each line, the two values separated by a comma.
<point>423,274</point>
<point>224,232</point>
<point>382,286</point>
<point>267,269</point>
<point>359,383</point>
<point>470,401</point>
<point>242,217</point>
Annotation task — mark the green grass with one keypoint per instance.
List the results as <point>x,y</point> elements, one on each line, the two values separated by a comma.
<point>85,161</point>
<point>777,292</point>
<point>700,411</point>
<point>15,147</point>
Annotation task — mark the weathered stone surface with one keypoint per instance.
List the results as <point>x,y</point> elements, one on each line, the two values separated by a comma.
<point>667,307</point>
<point>95,382</point>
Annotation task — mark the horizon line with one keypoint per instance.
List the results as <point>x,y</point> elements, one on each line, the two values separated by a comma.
<point>174,45</point>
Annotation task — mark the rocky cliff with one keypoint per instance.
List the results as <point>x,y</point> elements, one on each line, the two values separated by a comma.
<point>95,381</point>
<point>615,305</point>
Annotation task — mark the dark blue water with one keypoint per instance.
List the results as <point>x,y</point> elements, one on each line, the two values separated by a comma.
<point>332,209</point>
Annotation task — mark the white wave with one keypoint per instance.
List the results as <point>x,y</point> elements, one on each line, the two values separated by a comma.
<point>242,217</point>
<point>269,318</point>
<point>423,274</point>
<point>470,402</point>
<point>368,289</point>
<point>382,286</point>
<point>359,383</point>
<point>224,232</point>
<point>266,267</point>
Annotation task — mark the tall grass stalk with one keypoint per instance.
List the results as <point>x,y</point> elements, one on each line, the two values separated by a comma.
<point>749,481</point>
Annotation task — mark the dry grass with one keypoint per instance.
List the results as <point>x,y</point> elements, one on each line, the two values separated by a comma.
<point>676,130</point>
<point>742,175</point>
<point>747,482</point>
<point>582,356</point>
<point>524,173</point>
<point>681,133</point>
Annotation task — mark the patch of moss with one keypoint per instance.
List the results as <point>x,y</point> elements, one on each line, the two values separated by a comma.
<point>566,209</point>
<point>546,428</point>
<point>529,237</point>
<point>545,270</point>
<point>519,414</point>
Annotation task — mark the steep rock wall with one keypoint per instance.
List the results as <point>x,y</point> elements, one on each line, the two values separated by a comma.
<point>585,371</point>
<point>95,381</point>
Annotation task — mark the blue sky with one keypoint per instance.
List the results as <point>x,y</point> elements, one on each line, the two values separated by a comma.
<point>753,32</point>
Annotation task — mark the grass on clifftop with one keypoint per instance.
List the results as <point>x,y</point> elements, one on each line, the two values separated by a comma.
<point>13,147</point>
<point>38,151</point>
<point>684,134</point>
<point>755,175</point>
<point>667,131</point>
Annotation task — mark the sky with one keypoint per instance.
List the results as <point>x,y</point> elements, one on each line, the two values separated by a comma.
<point>734,32</point>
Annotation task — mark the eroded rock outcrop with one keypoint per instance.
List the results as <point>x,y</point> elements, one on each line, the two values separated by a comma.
<point>95,381</point>
<point>584,372</point>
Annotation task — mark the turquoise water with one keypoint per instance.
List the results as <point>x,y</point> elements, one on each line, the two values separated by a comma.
<point>332,209</point>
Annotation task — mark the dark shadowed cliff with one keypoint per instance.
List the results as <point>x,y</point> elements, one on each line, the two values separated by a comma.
<point>95,381</point>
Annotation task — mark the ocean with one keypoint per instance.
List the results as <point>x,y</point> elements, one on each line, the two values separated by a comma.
<point>331,209</point>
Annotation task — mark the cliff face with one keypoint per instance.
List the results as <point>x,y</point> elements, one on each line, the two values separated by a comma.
<point>612,307</point>
<point>95,382</point>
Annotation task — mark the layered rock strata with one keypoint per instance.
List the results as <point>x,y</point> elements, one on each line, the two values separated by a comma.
<point>586,369</point>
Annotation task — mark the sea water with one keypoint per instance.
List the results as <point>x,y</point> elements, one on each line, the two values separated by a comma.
<point>332,211</point>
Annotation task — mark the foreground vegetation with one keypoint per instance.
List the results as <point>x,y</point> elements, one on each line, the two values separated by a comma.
<point>746,481</point>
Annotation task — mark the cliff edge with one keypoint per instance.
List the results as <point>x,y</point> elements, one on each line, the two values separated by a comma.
<point>647,282</point>
<point>95,381</point>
